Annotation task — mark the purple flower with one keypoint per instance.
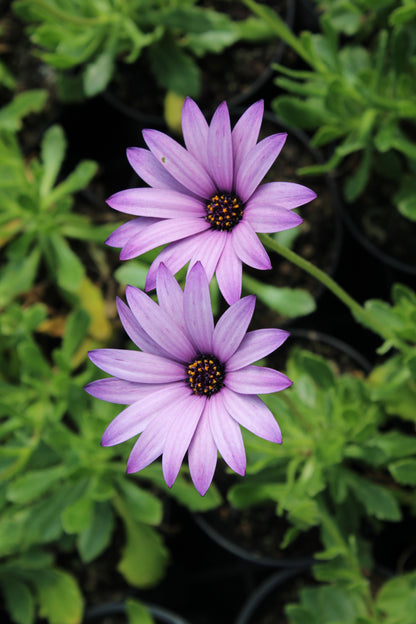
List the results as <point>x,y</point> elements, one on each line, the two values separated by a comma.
<point>204,202</point>
<point>192,384</point>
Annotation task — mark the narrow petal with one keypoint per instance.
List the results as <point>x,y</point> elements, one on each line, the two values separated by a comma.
<point>146,165</point>
<point>135,331</point>
<point>250,412</point>
<point>256,380</point>
<point>159,325</point>
<point>256,345</point>
<point>161,233</point>
<point>170,295</point>
<point>227,434</point>
<point>248,247</point>
<point>270,219</point>
<point>150,443</point>
<point>209,251</point>
<point>137,366</point>
<point>202,455</point>
<point>287,195</point>
<point>180,435</point>
<point>229,273</point>
<point>128,230</point>
<point>135,418</point>
<point>179,163</point>
<point>246,132</point>
<point>198,310</point>
<point>256,164</point>
<point>116,390</point>
<point>195,131</point>
<point>220,149</point>
<point>174,257</point>
<point>231,327</point>
<point>155,202</point>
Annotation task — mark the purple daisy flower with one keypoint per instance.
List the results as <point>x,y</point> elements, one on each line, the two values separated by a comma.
<point>204,202</point>
<point>192,384</point>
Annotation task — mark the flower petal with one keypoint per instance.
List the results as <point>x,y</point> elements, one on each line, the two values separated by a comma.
<point>250,412</point>
<point>135,418</point>
<point>256,380</point>
<point>159,325</point>
<point>174,257</point>
<point>180,435</point>
<point>198,310</point>
<point>150,443</point>
<point>146,165</point>
<point>179,163</point>
<point>209,251</point>
<point>137,366</point>
<point>170,295</point>
<point>246,132</point>
<point>248,247</point>
<point>220,149</point>
<point>227,434</point>
<point>116,390</point>
<point>256,164</point>
<point>270,219</point>
<point>195,131</point>
<point>202,455</point>
<point>229,273</point>
<point>135,331</point>
<point>255,345</point>
<point>231,327</point>
<point>155,202</point>
<point>128,230</point>
<point>283,194</point>
<point>161,233</point>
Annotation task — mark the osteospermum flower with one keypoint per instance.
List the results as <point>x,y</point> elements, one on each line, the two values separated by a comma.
<point>204,202</point>
<point>192,384</point>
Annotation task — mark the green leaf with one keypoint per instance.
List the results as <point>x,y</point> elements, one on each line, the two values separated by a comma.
<point>34,484</point>
<point>19,600</point>
<point>377,500</point>
<point>174,69</point>
<point>307,114</point>
<point>11,114</point>
<point>397,599</point>
<point>18,276</point>
<point>53,153</point>
<point>143,506</point>
<point>404,471</point>
<point>60,599</point>
<point>76,181</point>
<point>98,74</point>
<point>68,268</point>
<point>138,613</point>
<point>75,331</point>
<point>78,516</point>
<point>144,556</point>
<point>290,302</point>
<point>95,538</point>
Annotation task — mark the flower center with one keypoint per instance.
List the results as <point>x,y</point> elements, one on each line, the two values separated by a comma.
<point>206,375</point>
<point>224,211</point>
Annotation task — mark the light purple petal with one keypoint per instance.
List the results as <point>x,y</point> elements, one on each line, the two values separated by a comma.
<point>155,202</point>
<point>129,230</point>
<point>180,163</point>
<point>256,164</point>
<point>135,418</point>
<point>195,131</point>
<point>180,435</point>
<point>198,310</point>
<point>256,380</point>
<point>248,247</point>
<point>137,366</point>
<point>231,327</point>
<point>174,257</point>
<point>246,132</point>
<point>250,412</point>
<point>227,434</point>
<point>146,165</point>
<point>150,443</point>
<point>159,325</point>
<point>170,295</point>
<point>220,149</point>
<point>256,345</point>
<point>135,331</point>
<point>270,219</point>
<point>116,390</point>
<point>209,251</point>
<point>161,233</point>
<point>202,455</point>
<point>229,273</point>
<point>282,194</point>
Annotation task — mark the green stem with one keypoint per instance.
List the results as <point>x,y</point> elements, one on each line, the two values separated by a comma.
<point>361,314</point>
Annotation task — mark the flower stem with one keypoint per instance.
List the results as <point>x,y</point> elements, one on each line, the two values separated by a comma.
<point>359,312</point>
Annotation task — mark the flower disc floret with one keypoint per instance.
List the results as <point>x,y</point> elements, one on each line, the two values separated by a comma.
<point>224,211</point>
<point>206,375</point>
